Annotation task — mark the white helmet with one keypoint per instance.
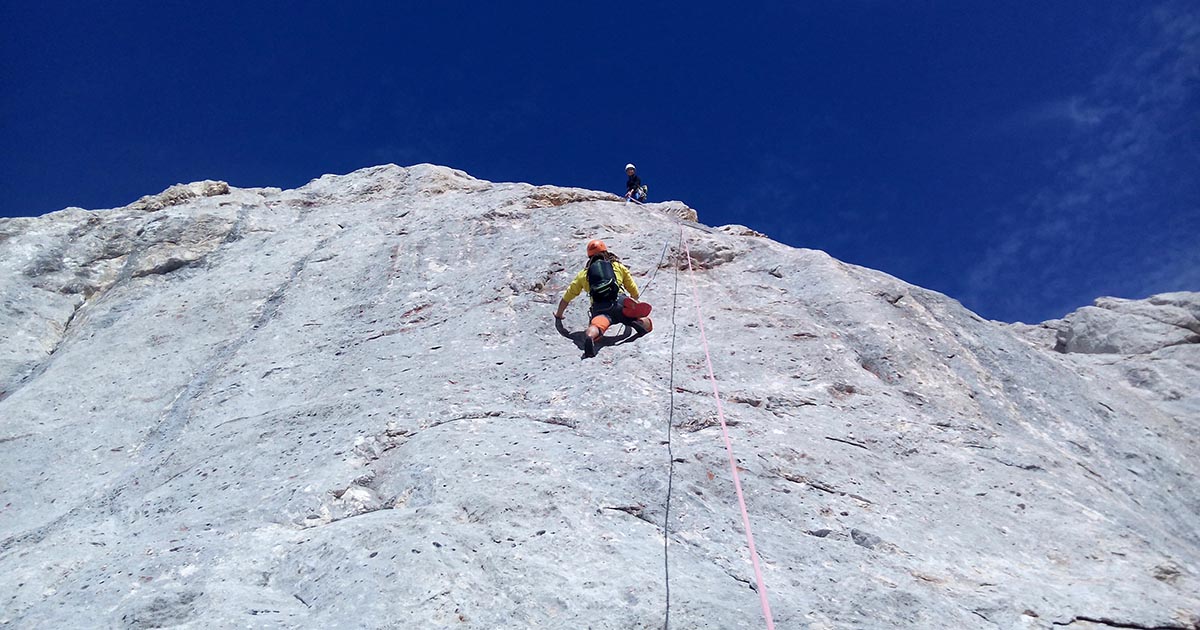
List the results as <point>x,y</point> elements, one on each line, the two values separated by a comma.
<point>630,166</point>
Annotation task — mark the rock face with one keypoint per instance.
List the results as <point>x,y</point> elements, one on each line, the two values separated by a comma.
<point>1150,346</point>
<point>348,405</point>
<point>1115,326</point>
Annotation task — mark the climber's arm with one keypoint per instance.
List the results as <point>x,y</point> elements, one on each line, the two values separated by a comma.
<point>577,286</point>
<point>626,280</point>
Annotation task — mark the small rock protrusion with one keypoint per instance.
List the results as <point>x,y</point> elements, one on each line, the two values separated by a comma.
<point>740,230</point>
<point>865,539</point>
<point>1168,573</point>
<point>179,194</point>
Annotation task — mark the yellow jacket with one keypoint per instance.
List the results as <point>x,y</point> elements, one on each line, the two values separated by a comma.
<point>580,283</point>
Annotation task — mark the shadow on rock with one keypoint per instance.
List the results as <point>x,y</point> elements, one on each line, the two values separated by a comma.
<point>577,337</point>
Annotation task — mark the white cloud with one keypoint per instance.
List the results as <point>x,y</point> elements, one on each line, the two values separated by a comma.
<point>1074,110</point>
<point>1121,215</point>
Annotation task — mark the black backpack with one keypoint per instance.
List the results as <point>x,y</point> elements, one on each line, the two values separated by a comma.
<point>602,281</point>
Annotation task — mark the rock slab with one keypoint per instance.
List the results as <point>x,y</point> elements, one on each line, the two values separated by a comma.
<point>347,405</point>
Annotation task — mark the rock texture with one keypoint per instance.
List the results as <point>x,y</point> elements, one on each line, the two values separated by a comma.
<point>1115,326</point>
<point>1150,347</point>
<point>348,405</point>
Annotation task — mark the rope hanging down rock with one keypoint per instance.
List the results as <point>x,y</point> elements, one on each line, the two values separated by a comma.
<point>670,452</point>
<point>661,258</point>
<point>737,483</point>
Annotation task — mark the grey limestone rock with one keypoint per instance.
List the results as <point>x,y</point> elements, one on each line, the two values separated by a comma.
<point>347,405</point>
<point>178,194</point>
<point>1094,330</point>
<point>1150,347</point>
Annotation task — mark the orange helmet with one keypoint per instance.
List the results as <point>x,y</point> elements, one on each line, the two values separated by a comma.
<point>595,246</point>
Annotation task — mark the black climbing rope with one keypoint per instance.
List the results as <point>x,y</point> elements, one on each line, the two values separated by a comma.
<point>670,452</point>
<point>663,256</point>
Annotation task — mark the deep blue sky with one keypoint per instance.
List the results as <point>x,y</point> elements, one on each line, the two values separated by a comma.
<point>1021,159</point>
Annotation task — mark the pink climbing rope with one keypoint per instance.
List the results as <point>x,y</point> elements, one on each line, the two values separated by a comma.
<point>737,482</point>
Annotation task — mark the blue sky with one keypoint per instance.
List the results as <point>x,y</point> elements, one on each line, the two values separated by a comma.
<point>1022,159</point>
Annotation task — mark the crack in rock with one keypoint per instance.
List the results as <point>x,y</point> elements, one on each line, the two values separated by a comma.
<point>1113,623</point>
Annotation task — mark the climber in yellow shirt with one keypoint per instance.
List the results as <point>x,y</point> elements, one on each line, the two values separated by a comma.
<point>603,278</point>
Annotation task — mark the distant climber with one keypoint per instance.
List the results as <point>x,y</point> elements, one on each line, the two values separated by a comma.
<point>603,278</point>
<point>634,189</point>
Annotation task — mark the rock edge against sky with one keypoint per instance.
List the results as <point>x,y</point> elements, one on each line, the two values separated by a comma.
<point>347,405</point>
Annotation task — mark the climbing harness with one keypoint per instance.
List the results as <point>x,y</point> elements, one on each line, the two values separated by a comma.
<point>654,274</point>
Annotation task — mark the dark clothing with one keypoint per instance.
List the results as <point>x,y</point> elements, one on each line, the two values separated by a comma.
<point>613,310</point>
<point>602,280</point>
<point>632,185</point>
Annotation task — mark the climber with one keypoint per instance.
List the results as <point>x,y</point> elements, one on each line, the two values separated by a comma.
<point>634,190</point>
<point>603,278</point>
